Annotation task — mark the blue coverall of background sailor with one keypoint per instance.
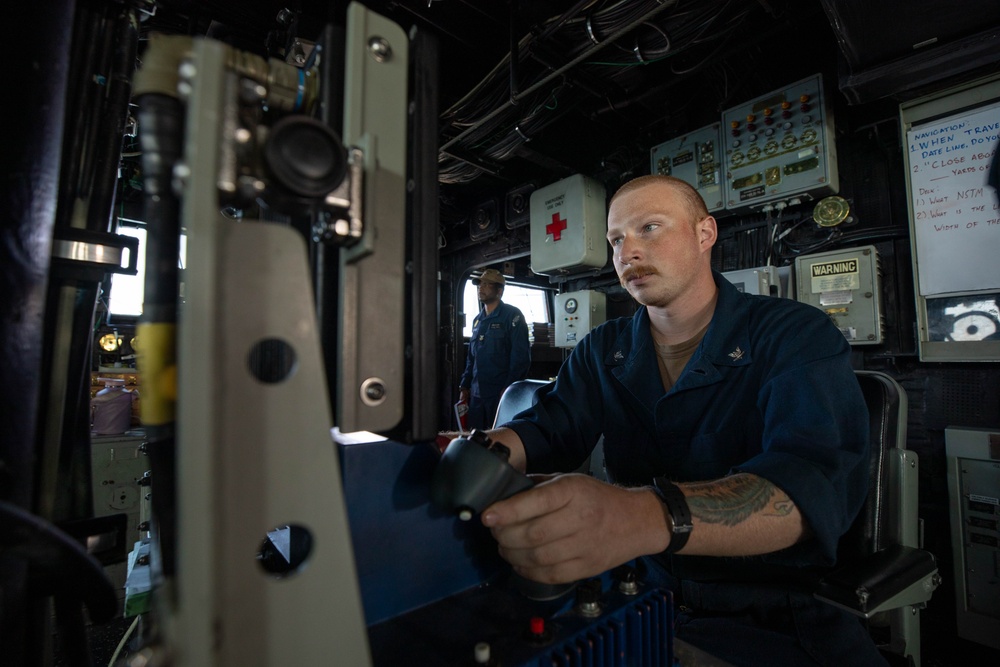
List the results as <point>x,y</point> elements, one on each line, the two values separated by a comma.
<point>769,391</point>
<point>499,354</point>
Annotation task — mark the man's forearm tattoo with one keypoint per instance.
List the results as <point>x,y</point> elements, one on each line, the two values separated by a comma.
<point>732,500</point>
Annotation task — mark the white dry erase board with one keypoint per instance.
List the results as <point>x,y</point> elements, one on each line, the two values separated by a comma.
<point>950,139</point>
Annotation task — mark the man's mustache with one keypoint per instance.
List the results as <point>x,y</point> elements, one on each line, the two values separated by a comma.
<point>633,272</point>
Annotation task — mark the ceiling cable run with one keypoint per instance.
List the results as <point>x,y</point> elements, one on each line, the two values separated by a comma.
<point>497,115</point>
<point>569,65</point>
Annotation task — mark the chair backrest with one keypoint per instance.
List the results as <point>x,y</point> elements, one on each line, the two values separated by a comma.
<point>887,412</point>
<point>519,396</point>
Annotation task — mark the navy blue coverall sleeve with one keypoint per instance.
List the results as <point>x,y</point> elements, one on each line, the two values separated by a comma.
<point>520,350</point>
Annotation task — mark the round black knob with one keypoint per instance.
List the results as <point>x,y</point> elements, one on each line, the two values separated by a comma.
<point>305,156</point>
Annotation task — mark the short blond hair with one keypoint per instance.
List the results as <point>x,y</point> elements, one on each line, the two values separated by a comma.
<point>692,198</point>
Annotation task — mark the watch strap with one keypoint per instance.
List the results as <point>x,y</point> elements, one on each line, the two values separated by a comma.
<point>680,514</point>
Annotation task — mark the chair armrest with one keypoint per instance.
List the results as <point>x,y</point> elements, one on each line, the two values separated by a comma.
<point>888,579</point>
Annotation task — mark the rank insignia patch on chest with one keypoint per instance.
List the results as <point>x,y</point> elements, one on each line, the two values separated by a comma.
<point>736,354</point>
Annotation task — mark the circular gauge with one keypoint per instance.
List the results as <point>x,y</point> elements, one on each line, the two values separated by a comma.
<point>771,147</point>
<point>737,157</point>
<point>571,305</point>
<point>831,211</point>
<point>109,342</point>
<point>809,136</point>
<point>134,344</point>
<point>788,141</point>
<point>753,153</point>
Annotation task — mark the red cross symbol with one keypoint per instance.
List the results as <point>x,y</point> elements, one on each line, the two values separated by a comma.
<point>556,227</point>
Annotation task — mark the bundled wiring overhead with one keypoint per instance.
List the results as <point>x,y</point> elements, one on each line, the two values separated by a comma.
<point>565,60</point>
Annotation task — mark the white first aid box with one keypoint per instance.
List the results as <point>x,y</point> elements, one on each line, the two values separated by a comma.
<point>569,226</point>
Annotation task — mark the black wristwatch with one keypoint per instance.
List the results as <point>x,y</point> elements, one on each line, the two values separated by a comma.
<point>680,514</point>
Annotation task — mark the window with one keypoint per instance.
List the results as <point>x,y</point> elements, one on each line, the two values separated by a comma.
<point>529,300</point>
<point>125,297</point>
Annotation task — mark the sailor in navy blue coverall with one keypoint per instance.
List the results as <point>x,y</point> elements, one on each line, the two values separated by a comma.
<point>746,407</point>
<point>499,351</point>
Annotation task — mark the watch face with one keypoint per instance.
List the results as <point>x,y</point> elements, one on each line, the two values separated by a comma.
<point>571,305</point>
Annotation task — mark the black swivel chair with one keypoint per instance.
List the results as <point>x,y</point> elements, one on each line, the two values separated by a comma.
<point>519,396</point>
<point>886,577</point>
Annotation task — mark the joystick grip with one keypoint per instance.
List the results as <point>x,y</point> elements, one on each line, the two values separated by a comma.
<point>472,474</point>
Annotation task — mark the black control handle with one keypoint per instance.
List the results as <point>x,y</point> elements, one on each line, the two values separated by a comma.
<point>473,473</point>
